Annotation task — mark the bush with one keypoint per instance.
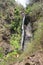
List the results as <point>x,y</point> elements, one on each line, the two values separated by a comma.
<point>15,40</point>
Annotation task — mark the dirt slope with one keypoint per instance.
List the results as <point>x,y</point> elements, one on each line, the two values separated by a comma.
<point>35,59</point>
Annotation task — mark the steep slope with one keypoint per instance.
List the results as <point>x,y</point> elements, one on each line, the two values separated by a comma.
<point>10,26</point>
<point>10,32</point>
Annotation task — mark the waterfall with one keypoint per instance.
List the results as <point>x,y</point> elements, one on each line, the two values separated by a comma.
<point>23,34</point>
<point>26,32</point>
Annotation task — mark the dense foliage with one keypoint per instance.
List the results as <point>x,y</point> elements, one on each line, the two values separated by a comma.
<point>11,18</point>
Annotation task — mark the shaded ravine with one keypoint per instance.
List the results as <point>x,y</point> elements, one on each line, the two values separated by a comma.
<point>26,33</point>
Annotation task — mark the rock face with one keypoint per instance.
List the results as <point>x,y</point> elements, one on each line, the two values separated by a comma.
<point>28,35</point>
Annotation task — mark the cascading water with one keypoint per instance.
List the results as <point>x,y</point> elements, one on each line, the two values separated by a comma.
<point>26,27</point>
<point>26,33</point>
<point>23,34</point>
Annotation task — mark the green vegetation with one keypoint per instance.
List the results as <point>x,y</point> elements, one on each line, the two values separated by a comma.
<point>10,14</point>
<point>36,44</point>
<point>15,39</point>
<point>10,30</point>
<point>33,9</point>
<point>15,26</point>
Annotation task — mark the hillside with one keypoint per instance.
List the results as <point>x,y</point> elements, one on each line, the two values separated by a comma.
<point>33,54</point>
<point>11,18</point>
<point>10,28</point>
